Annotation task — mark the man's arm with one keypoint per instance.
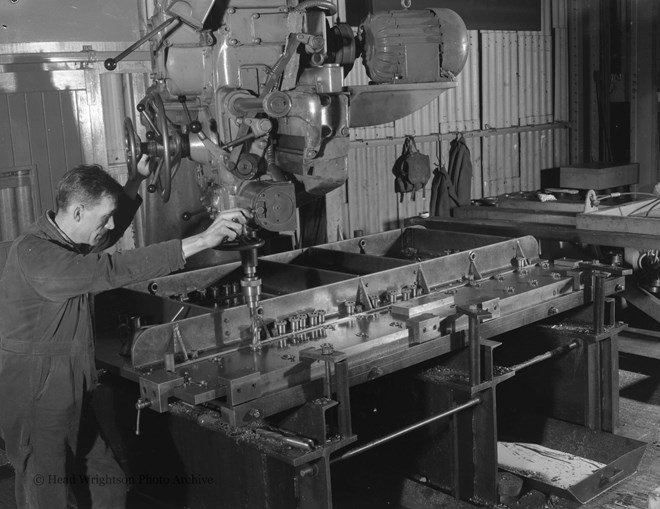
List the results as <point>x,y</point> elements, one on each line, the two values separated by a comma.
<point>128,205</point>
<point>69,273</point>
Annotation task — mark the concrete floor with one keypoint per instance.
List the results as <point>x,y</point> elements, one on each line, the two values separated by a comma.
<point>639,419</point>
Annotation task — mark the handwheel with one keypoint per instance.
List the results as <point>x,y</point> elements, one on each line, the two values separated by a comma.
<point>132,145</point>
<point>153,109</point>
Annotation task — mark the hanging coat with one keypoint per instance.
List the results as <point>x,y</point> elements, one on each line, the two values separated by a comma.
<point>460,170</point>
<point>443,194</point>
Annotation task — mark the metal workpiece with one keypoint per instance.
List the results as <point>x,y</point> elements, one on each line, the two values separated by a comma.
<point>363,334</point>
<point>321,335</point>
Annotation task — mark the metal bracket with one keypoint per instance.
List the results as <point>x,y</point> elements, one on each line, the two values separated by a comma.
<point>423,328</point>
<point>475,316</point>
<point>242,389</point>
<point>473,271</point>
<point>331,357</point>
<point>422,281</point>
<point>157,388</point>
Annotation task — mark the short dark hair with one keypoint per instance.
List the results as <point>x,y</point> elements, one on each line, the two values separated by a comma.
<point>87,184</point>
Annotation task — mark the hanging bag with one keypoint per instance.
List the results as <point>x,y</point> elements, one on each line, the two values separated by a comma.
<point>412,169</point>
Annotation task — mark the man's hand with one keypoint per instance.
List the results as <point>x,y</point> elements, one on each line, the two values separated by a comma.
<point>227,225</point>
<point>133,184</point>
<point>143,167</point>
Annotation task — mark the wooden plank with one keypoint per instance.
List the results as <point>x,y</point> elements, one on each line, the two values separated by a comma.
<point>640,342</point>
<point>39,149</point>
<point>95,103</point>
<point>550,466</point>
<point>534,216</point>
<point>20,138</point>
<point>5,134</point>
<point>598,175</point>
<point>636,217</point>
<point>26,82</point>
<point>72,141</point>
<point>54,134</point>
<point>529,201</point>
<point>85,127</point>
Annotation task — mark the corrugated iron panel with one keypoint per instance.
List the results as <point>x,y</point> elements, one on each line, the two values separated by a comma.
<point>423,121</point>
<point>562,97</point>
<point>459,108</point>
<point>559,14</point>
<point>501,164</point>
<point>561,147</point>
<point>499,78</point>
<point>536,154</point>
<point>373,206</point>
<point>546,17</point>
<point>535,78</point>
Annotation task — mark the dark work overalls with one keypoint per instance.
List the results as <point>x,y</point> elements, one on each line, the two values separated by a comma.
<point>47,355</point>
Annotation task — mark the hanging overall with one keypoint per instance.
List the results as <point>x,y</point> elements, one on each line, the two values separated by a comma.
<point>412,170</point>
<point>460,170</point>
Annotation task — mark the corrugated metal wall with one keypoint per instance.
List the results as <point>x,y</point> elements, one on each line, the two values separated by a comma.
<point>511,104</point>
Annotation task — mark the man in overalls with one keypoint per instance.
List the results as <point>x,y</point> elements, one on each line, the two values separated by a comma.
<point>46,339</point>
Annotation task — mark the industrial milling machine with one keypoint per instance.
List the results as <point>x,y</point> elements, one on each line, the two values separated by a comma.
<point>252,93</point>
<point>360,343</point>
<point>262,383</point>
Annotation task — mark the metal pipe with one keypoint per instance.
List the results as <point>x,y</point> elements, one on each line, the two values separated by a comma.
<point>343,398</point>
<point>599,301</point>
<point>475,350</point>
<point>544,356</point>
<point>374,443</point>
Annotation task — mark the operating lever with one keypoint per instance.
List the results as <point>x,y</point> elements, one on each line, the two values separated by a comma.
<point>195,126</point>
<point>111,63</point>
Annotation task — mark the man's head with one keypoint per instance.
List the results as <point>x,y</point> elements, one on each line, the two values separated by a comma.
<point>86,201</point>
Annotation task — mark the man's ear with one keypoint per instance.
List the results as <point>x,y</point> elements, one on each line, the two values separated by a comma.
<point>78,212</point>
